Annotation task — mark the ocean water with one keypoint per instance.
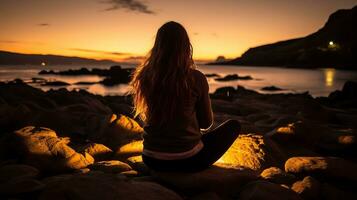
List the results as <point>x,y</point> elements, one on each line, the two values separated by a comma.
<point>319,82</point>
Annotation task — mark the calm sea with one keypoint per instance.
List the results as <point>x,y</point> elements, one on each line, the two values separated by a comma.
<point>319,82</point>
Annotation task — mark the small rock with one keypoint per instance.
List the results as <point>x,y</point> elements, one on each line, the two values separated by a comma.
<point>308,188</point>
<point>276,175</point>
<point>98,151</point>
<point>111,166</point>
<point>55,83</point>
<point>137,163</point>
<point>271,88</point>
<point>332,167</point>
<point>131,149</point>
<point>266,190</point>
<point>121,131</point>
<point>131,173</point>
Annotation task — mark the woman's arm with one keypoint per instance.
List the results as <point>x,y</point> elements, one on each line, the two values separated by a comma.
<point>203,107</point>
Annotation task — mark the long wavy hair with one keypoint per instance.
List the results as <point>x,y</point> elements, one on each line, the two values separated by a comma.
<point>162,83</point>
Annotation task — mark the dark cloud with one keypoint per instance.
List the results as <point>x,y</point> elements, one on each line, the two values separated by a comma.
<point>131,5</point>
<point>43,24</point>
<point>99,51</point>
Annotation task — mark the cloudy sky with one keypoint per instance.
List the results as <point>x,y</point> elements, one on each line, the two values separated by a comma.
<point>125,29</point>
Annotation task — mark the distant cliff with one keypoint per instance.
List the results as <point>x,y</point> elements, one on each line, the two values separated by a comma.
<point>10,58</point>
<point>334,45</point>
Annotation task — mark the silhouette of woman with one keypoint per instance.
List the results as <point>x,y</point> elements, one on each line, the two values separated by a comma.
<point>172,98</point>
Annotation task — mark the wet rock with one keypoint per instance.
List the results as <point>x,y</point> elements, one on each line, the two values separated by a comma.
<point>111,166</point>
<point>55,83</point>
<point>212,75</point>
<point>232,77</point>
<point>223,181</point>
<point>104,186</point>
<point>267,190</point>
<point>84,83</point>
<point>271,88</point>
<point>98,151</point>
<point>332,167</point>
<point>308,188</point>
<point>40,147</point>
<point>276,175</point>
<point>253,151</point>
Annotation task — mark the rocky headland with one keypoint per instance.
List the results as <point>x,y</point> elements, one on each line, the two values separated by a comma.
<point>64,144</point>
<point>334,45</point>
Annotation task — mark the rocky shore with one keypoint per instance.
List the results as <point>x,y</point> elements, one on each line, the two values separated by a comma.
<point>113,76</point>
<point>64,144</point>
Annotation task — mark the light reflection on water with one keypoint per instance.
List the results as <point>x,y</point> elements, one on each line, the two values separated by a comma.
<point>319,82</point>
<point>329,76</point>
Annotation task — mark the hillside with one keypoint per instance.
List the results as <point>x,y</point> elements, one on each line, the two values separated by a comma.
<point>334,45</point>
<point>11,58</point>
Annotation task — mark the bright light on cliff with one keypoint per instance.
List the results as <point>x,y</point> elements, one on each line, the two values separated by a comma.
<point>43,64</point>
<point>331,43</point>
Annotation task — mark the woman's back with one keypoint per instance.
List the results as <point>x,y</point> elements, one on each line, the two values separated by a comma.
<point>182,132</point>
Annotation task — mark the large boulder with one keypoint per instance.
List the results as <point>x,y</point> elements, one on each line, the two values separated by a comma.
<point>253,151</point>
<point>261,190</point>
<point>40,147</point>
<point>104,186</point>
<point>331,167</point>
<point>224,181</point>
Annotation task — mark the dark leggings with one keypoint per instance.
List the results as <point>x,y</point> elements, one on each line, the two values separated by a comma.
<point>216,143</point>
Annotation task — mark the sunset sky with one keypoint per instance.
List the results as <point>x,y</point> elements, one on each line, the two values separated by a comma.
<point>124,30</point>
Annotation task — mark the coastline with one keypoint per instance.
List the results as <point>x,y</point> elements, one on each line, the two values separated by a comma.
<point>94,138</point>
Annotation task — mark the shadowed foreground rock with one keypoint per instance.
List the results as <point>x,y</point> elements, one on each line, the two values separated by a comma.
<point>217,179</point>
<point>104,186</point>
<point>266,190</point>
<point>308,188</point>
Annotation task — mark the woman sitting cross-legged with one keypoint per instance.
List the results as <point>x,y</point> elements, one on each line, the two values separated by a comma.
<point>172,98</point>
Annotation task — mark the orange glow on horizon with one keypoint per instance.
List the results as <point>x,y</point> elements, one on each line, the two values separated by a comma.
<point>87,30</point>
